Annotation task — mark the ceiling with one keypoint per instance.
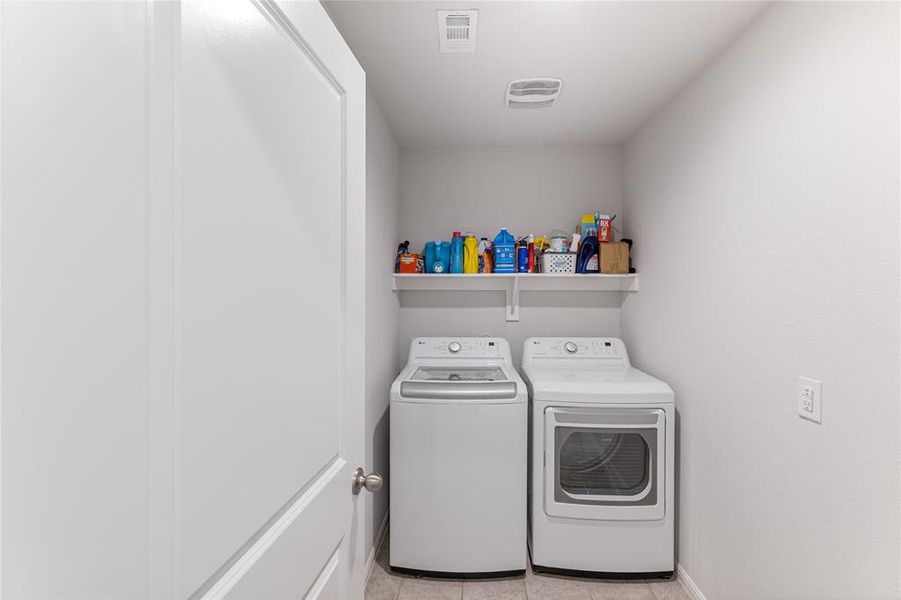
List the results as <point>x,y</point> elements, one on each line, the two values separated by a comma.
<point>619,62</point>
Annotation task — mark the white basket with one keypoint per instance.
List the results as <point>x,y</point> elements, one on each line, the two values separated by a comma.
<point>558,262</point>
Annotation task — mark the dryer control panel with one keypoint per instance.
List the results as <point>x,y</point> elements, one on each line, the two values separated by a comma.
<point>575,348</point>
<point>463,347</point>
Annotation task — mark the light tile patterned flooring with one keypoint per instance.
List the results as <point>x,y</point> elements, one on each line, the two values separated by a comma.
<point>383,584</point>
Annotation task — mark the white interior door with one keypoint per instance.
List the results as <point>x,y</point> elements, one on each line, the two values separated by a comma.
<point>269,125</point>
<point>182,300</point>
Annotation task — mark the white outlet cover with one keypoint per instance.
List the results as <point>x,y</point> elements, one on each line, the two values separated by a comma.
<point>810,399</point>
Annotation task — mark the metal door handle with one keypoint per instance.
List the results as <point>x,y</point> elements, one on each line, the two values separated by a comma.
<point>372,482</point>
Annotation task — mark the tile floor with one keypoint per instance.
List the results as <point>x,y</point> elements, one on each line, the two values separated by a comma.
<point>385,585</point>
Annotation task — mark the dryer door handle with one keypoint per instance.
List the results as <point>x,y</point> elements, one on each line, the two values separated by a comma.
<point>612,419</point>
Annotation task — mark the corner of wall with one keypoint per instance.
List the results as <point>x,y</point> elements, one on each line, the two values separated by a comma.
<point>382,311</point>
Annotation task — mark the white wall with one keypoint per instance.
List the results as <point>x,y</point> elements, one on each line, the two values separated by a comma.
<point>764,205</point>
<point>526,189</point>
<point>75,410</point>
<point>382,202</point>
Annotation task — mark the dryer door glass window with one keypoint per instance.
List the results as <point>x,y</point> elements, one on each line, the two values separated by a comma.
<point>600,465</point>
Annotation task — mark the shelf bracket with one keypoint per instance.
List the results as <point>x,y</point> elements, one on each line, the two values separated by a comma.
<point>512,293</point>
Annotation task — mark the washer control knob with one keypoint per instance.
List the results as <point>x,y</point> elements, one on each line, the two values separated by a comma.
<point>571,347</point>
<point>454,347</point>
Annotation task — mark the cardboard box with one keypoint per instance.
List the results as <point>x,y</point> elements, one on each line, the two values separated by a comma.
<point>614,257</point>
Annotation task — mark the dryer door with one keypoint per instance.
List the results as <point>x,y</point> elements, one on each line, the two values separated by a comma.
<point>605,463</point>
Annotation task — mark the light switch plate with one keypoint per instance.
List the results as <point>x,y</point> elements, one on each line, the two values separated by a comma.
<point>810,399</point>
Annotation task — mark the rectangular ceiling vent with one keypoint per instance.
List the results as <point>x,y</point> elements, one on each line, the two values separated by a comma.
<point>457,31</point>
<point>533,93</point>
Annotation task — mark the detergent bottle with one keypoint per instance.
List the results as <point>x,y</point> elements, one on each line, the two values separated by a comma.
<point>484,256</point>
<point>456,253</point>
<point>504,252</point>
<point>437,256</point>
<point>531,253</point>
<point>587,259</point>
<point>470,254</point>
<point>522,255</point>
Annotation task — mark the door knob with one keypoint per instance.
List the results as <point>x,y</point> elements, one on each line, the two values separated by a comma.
<point>372,482</point>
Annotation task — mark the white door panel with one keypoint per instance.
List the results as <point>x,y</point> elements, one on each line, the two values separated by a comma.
<point>258,303</point>
<point>263,380</point>
<point>309,532</point>
<point>327,587</point>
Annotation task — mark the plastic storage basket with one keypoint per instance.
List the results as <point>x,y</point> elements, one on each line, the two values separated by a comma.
<point>558,262</point>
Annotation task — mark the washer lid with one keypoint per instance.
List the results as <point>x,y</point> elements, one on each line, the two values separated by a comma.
<point>598,385</point>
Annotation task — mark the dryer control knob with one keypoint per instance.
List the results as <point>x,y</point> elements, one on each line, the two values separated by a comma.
<point>571,347</point>
<point>454,347</point>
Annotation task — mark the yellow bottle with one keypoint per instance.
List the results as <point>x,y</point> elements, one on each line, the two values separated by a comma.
<point>470,254</point>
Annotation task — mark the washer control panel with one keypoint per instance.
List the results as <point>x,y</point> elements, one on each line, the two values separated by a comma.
<point>463,347</point>
<point>576,348</point>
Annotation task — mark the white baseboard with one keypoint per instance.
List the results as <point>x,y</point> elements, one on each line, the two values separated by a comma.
<point>374,551</point>
<point>688,584</point>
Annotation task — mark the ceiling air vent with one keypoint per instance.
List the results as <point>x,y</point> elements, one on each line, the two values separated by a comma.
<point>457,31</point>
<point>533,93</point>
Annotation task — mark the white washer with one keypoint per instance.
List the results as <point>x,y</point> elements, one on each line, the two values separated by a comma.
<point>459,459</point>
<point>602,459</point>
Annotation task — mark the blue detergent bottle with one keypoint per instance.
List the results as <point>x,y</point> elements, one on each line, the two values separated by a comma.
<point>504,252</point>
<point>456,253</point>
<point>437,256</point>
<point>587,259</point>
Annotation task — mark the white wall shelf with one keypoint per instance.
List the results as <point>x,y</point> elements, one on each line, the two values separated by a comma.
<point>514,283</point>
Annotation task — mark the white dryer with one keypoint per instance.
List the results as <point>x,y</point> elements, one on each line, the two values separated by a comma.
<point>602,459</point>
<point>459,461</point>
